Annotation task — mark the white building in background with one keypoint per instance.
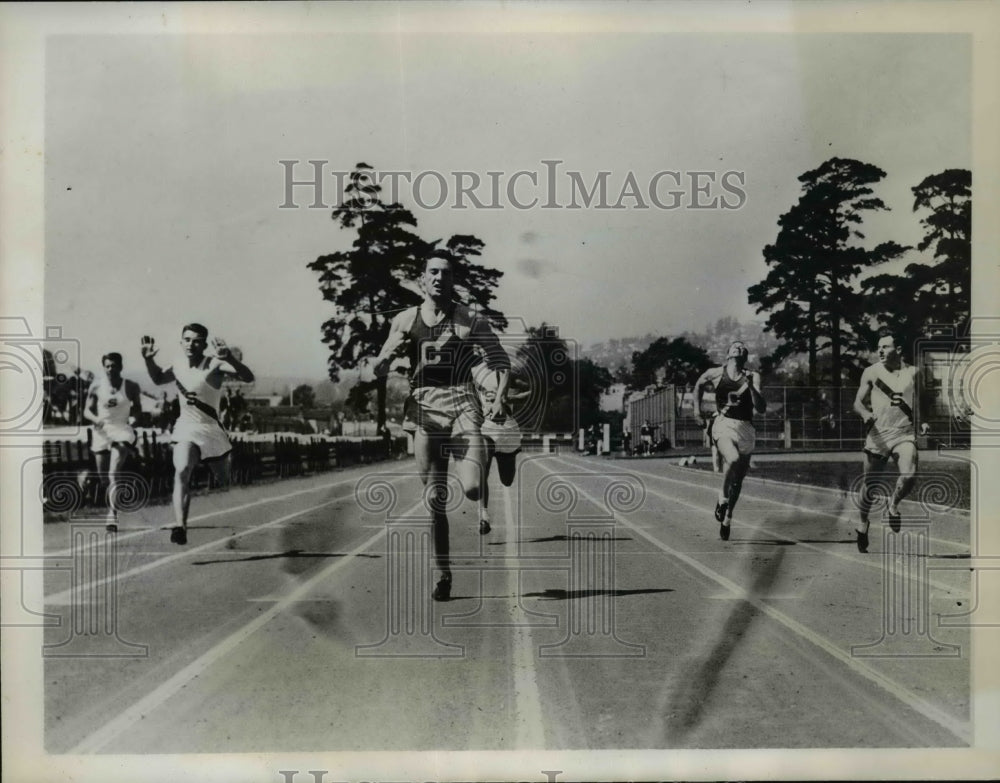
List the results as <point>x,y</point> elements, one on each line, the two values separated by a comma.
<point>614,398</point>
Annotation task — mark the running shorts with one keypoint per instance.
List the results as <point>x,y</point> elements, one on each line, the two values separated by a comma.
<point>208,435</point>
<point>881,443</point>
<point>443,410</point>
<point>739,432</point>
<point>103,437</point>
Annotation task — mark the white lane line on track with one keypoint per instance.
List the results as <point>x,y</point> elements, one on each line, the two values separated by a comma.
<point>71,595</point>
<point>747,496</point>
<point>858,559</point>
<point>960,514</point>
<point>210,514</point>
<point>157,697</point>
<point>961,729</point>
<point>529,733</point>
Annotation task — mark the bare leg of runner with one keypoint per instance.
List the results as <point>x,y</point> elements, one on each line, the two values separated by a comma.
<point>484,495</point>
<point>739,472</point>
<point>432,464</point>
<point>103,461</point>
<point>872,468</point>
<point>507,468</point>
<point>186,458</point>
<point>222,471</point>
<point>730,465</point>
<point>117,459</point>
<point>906,457</point>
<point>469,451</point>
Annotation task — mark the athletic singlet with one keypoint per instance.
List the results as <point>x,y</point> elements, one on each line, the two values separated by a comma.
<point>735,406</point>
<point>115,413</point>
<point>893,398</point>
<point>440,357</point>
<point>205,406</point>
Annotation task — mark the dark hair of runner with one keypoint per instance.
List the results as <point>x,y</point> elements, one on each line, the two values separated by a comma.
<point>440,253</point>
<point>198,329</point>
<point>885,331</point>
<point>114,357</point>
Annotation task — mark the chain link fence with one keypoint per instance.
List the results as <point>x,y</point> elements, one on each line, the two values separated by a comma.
<point>797,417</point>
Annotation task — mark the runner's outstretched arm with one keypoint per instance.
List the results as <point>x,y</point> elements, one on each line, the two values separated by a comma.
<point>393,345</point>
<point>229,364</point>
<point>157,374</point>
<point>861,398</point>
<point>496,359</point>
<point>134,397</point>
<point>90,407</point>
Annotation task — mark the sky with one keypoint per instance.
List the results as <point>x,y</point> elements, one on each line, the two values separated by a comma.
<point>163,181</point>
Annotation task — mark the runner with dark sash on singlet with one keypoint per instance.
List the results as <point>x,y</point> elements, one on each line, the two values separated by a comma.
<point>890,385</point>
<point>737,397</point>
<point>198,433</point>
<point>443,410</point>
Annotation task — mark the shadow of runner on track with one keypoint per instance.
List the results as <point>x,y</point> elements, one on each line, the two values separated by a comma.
<point>305,545</point>
<point>551,540</point>
<point>318,534</point>
<point>556,594</point>
<point>275,555</point>
<point>685,699</point>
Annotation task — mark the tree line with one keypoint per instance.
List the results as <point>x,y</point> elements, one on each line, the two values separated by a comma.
<point>822,295</point>
<point>377,277</point>
<point>818,298</point>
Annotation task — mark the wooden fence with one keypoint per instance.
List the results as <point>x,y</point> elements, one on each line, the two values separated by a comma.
<point>70,480</point>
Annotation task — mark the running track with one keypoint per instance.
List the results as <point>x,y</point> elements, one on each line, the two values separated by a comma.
<point>273,630</point>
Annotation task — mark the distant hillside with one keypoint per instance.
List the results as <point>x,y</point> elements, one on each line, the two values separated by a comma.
<point>617,352</point>
<point>717,337</point>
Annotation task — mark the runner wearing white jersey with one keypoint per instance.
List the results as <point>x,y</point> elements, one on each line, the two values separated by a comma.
<point>890,385</point>
<point>112,406</point>
<point>198,434</point>
<point>501,436</point>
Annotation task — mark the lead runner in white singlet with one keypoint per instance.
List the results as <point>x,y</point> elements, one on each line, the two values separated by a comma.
<point>198,433</point>
<point>200,421</point>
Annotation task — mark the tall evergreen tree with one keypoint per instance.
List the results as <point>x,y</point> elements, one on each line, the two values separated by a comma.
<point>936,294</point>
<point>368,283</point>
<point>810,290</point>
